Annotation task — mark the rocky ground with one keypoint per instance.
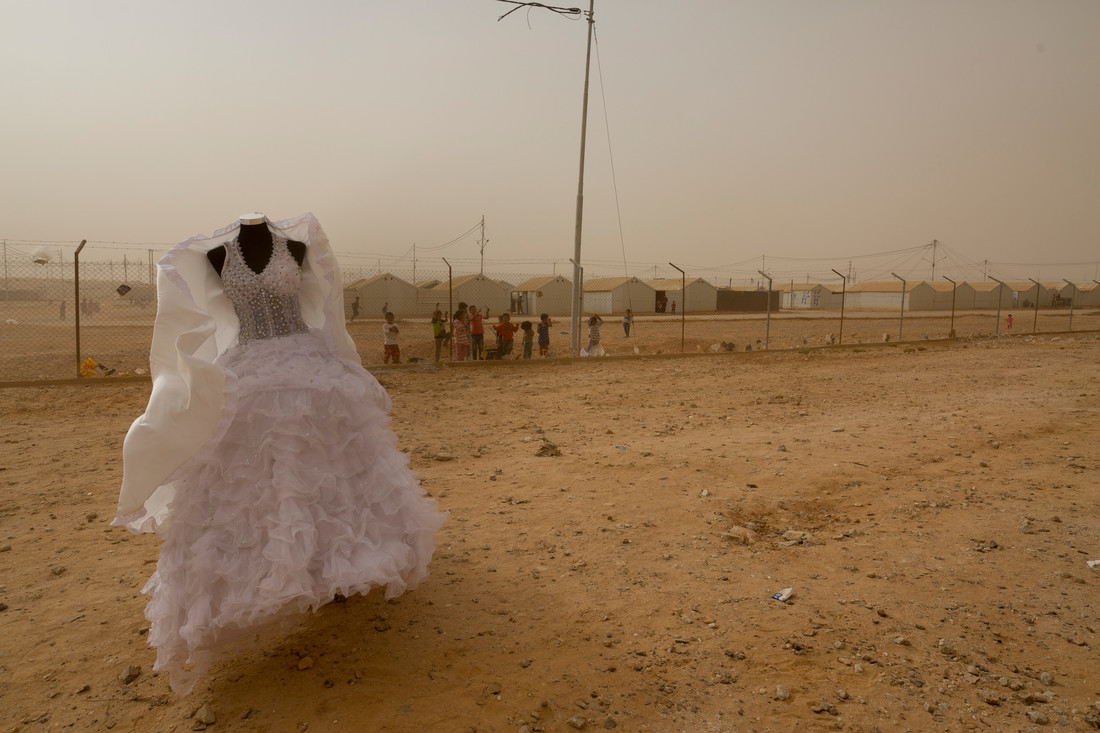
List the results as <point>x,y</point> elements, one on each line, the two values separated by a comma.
<point>618,528</point>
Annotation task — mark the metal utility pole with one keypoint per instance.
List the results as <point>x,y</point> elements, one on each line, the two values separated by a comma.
<point>843,291</point>
<point>1071,301</point>
<point>576,304</point>
<point>954,285</point>
<point>901,321</point>
<point>768,327</point>
<point>935,243</point>
<point>683,305</point>
<point>481,243</point>
<point>414,263</point>
<point>1000,293</point>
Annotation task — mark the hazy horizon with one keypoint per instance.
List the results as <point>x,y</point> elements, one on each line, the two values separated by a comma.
<point>792,136</point>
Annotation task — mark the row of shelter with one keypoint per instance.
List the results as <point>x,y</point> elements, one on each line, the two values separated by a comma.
<point>553,294</point>
<point>923,295</point>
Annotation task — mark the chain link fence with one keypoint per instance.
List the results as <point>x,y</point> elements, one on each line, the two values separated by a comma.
<point>38,314</point>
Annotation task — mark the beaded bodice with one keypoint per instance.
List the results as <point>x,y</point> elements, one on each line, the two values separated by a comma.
<point>266,302</point>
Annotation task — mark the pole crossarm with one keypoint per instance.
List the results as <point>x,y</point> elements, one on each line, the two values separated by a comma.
<point>575,12</point>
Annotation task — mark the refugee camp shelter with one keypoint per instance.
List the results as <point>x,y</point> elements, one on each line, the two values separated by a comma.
<point>981,295</point>
<point>1025,294</point>
<point>476,289</point>
<point>1088,294</point>
<point>386,289</point>
<point>879,295</point>
<point>747,300</point>
<point>551,294</point>
<point>808,295</point>
<point>616,294</point>
<point>701,295</point>
<point>932,295</point>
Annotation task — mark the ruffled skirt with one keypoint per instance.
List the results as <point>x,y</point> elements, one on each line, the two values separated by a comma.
<point>304,496</point>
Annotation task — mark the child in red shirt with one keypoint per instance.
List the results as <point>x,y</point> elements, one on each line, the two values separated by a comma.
<point>506,331</point>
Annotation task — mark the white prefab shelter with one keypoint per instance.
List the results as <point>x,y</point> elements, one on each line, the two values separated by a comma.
<point>701,295</point>
<point>476,289</point>
<point>1088,294</point>
<point>1025,294</point>
<point>878,295</point>
<point>386,289</point>
<point>932,295</point>
<point>982,295</point>
<point>615,294</point>
<point>808,295</point>
<point>551,294</point>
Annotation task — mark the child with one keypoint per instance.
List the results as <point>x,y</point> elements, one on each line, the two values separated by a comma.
<point>458,327</point>
<point>506,331</point>
<point>477,334</point>
<point>439,332</point>
<point>528,338</point>
<point>389,341</point>
<point>544,334</point>
<point>593,332</point>
<point>627,320</point>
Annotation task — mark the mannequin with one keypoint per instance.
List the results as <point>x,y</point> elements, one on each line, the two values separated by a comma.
<point>254,239</point>
<point>264,461</point>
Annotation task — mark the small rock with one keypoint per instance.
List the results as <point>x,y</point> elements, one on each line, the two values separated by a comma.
<point>610,723</point>
<point>5,547</point>
<point>548,450</point>
<point>842,694</point>
<point>305,663</point>
<point>441,456</point>
<point>91,516</point>
<point>57,569</point>
<point>3,606</point>
<point>577,722</point>
<point>902,640</point>
<point>130,674</point>
<point>1038,717</point>
<point>989,697</point>
<point>205,715</point>
<point>782,693</point>
<point>739,535</point>
<point>1046,678</point>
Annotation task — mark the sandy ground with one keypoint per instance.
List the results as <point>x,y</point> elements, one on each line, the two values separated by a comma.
<point>932,506</point>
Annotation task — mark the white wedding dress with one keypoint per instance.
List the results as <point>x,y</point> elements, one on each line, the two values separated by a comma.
<point>300,495</point>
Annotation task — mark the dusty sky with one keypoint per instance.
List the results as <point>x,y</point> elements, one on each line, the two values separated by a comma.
<point>791,135</point>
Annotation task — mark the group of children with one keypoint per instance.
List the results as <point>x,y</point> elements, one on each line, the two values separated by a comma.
<point>468,331</point>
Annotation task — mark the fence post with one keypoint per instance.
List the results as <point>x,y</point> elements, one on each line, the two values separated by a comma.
<point>843,292</point>
<point>768,326</point>
<point>1035,320</point>
<point>901,320</point>
<point>76,295</point>
<point>450,308</point>
<point>1071,301</point>
<point>1000,292</point>
<point>683,305</point>
<point>951,333</point>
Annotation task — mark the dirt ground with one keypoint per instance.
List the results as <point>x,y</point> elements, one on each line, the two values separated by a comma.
<point>932,505</point>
